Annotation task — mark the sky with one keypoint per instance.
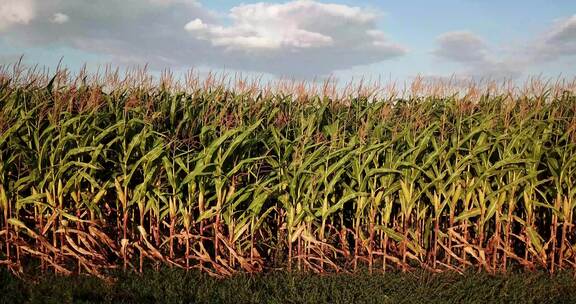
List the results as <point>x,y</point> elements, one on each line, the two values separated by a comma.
<point>305,39</point>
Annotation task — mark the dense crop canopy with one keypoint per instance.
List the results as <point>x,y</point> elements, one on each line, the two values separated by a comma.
<point>126,175</point>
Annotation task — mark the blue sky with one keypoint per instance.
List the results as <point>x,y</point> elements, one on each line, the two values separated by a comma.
<point>299,38</point>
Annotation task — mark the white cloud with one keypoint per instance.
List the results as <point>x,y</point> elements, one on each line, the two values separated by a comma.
<point>476,56</point>
<point>127,31</point>
<point>461,46</point>
<point>196,25</point>
<point>480,59</point>
<point>257,36</point>
<point>294,25</point>
<point>559,41</point>
<point>298,37</point>
<point>14,12</point>
<point>59,18</point>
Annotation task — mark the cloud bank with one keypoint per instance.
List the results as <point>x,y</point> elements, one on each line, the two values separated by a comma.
<point>475,55</point>
<point>559,41</point>
<point>300,38</point>
<point>481,60</point>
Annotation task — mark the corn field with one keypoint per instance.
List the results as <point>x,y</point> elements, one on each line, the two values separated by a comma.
<point>117,171</point>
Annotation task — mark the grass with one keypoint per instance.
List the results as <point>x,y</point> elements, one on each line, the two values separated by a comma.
<point>178,286</point>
